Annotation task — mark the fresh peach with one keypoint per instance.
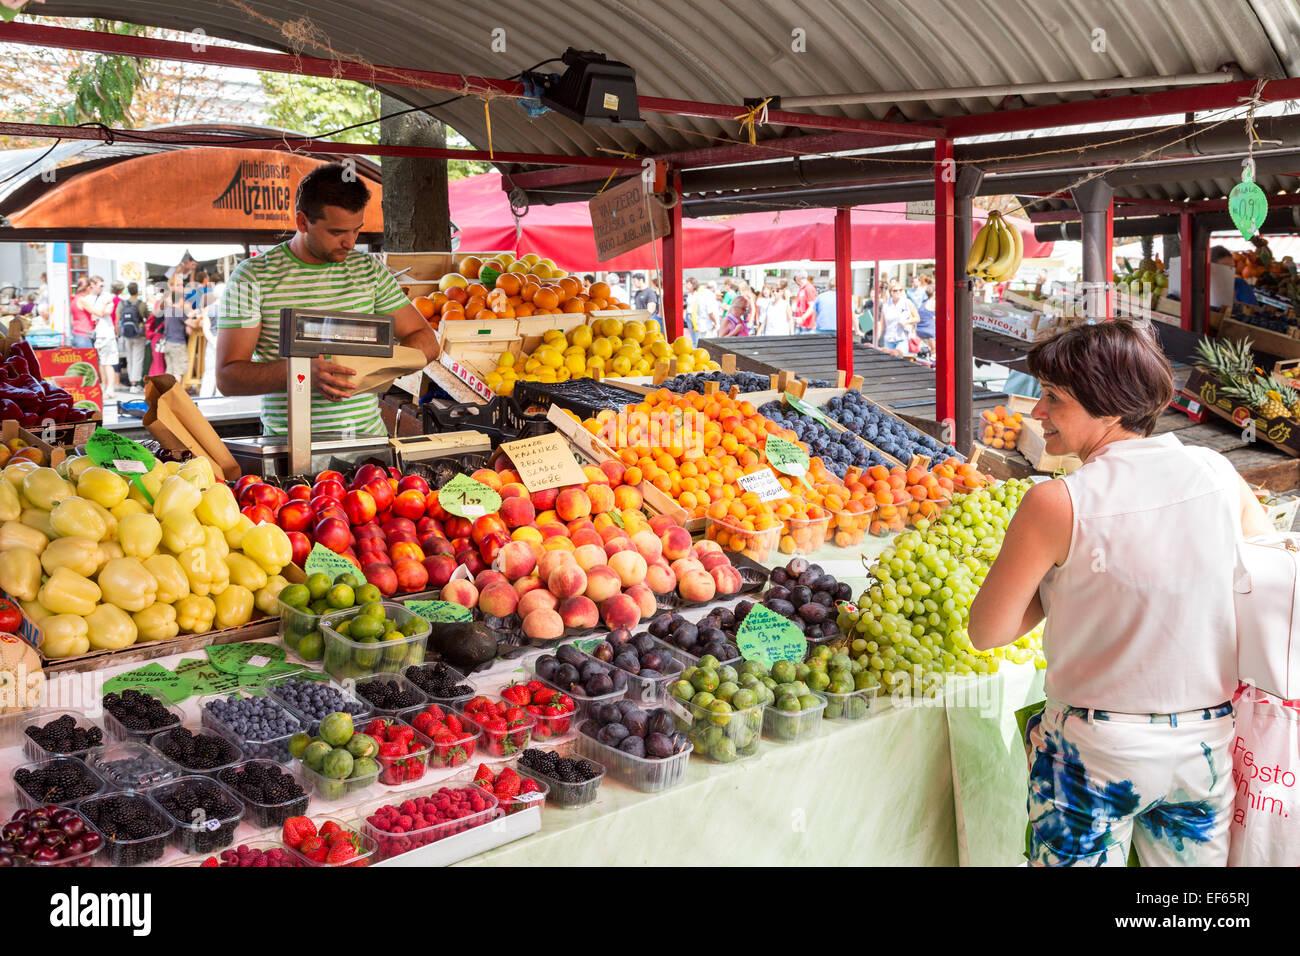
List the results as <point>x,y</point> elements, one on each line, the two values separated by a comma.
<point>508,476</point>
<point>528,583</point>
<point>589,555</point>
<point>629,566</point>
<point>517,511</point>
<point>619,543</point>
<point>547,518</point>
<point>566,581</point>
<point>648,544</point>
<point>580,612</point>
<point>726,579</point>
<point>517,560</point>
<point>499,600</point>
<point>704,547</point>
<point>557,543</point>
<point>579,525</point>
<point>634,521</point>
<point>602,521</point>
<point>628,497</point>
<point>553,530</point>
<point>601,497</point>
<point>613,469</point>
<point>645,600</point>
<point>602,583</point>
<point>552,560</point>
<point>715,559</point>
<point>460,592</point>
<point>595,474</point>
<point>661,523</point>
<point>572,503</point>
<point>488,476</point>
<point>543,625</point>
<point>697,586</point>
<point>620,611</point>
<point>676,543</point>
<point>484,579</point>
<point>527,533</point>
<point>534,600</point>
<point>611,530</point>
<point>660,579</point>
<point>544,500</point>
<point>588,537</point>
<point>683,566</point>
<point>514,489</point>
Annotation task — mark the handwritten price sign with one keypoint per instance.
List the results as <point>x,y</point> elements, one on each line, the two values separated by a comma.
<point>767,637</point>
<point>466,498</point>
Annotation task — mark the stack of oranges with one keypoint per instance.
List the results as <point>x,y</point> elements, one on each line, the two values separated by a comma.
<point>1001,427</point>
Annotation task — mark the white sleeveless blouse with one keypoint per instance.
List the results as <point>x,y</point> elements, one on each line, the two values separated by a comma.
<point>1139,617</point>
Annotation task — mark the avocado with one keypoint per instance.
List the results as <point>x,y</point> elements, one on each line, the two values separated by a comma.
<point>463,644</point>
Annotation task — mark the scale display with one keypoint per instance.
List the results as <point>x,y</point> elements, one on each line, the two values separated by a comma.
<point>306,333</point>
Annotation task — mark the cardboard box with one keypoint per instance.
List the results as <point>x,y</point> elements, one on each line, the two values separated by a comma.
<point>416,448</point>
<point>54,455</point>
<point>1282,433</point>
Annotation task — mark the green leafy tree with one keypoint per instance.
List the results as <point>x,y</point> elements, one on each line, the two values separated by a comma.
<point>103,87</point>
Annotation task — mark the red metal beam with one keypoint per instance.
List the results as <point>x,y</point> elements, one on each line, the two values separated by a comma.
<point>844,291</point>
<point>1109,273</point>
<point>1185,269</point>
<point>671,306</point>
<point>305,145</point>
<point>190,52</point>
<point>1187,99</point>
<point>945,281</point>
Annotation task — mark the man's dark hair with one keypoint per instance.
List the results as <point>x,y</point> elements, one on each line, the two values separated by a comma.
<point>132,289</point>
<point>330,185</point>
<point>1220,252</point>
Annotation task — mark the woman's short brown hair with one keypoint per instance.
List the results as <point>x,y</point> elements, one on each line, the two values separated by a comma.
<point>1113,369</point>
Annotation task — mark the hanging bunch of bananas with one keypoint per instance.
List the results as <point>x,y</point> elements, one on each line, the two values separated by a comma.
<point>996,252</point>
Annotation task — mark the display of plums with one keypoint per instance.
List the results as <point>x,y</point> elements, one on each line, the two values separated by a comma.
<point>639,733</point>
<point>586,677</point>
<point>806,595</point>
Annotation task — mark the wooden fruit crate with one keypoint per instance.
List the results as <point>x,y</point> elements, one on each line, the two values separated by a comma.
<point>1282,433</point>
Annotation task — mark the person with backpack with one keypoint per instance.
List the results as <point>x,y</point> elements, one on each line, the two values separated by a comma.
<point>130,323</point>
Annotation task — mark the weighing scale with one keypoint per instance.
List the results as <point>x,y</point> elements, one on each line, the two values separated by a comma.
<point>305,334</point>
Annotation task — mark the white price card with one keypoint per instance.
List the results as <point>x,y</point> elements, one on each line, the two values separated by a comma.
<point>764,484</point>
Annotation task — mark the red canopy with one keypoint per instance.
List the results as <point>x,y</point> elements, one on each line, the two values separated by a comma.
<point>563,233</point>
<point>880,232</point>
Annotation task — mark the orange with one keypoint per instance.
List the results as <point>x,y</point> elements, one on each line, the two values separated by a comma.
<point>570,286</point>
<point>474,306</point>
<point>572,305</point>
<point>523,310</point>
<point>598,290</point>
<point>457,294</point>
<point>476,288</point>
<point>509,283</point>
<point>545,299</point>
<point>424,306</point>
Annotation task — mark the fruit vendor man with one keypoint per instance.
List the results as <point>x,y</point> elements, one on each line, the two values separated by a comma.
<point>318,268</point>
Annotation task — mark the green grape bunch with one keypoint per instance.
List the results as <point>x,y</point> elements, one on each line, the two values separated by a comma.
<point>910,626</point>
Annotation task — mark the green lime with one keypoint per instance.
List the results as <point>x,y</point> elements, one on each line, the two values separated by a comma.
<point>351,579</point>
<point>321,606</point>
<point>318,584</point>
<point>341,596</point>
<point>344,627</point>
<point>360,627</point>
<point>368,594</point>
<point>298,743</point>
<point>296,595</point>
<point>312,646</point>
<point>373,609</point>
<point>413,626</point>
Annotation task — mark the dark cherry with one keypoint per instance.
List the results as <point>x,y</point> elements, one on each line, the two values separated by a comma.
<point>29,844</point>
<point>72,825</point>
<point>91,840</point>
<point>52,837</point>
<point>7,861</point>
<point>7,849</point>
<point>46,854</point>
<point>75,847</point>
<point>12,830</point>
<point>37,822</point>
<point>21,815</point>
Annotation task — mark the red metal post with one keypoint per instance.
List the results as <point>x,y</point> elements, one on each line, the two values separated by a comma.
<point>945,280</point>
<point>672,299</point>
<point>1185,268</point>
<point>844,291</point>
<point>1109,274</point>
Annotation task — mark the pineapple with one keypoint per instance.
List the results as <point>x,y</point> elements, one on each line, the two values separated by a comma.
<point>1255,394</point>
<point>1229,361</point>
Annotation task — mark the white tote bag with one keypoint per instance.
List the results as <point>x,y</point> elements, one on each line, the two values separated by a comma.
<point>1266,608</point>
<point>1265,828</point>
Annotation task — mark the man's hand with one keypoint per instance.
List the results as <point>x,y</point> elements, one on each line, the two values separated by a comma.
<point>332,380</point>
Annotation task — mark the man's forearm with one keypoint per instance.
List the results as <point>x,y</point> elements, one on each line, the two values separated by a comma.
<point>424,340</point>
<point>252,378</point>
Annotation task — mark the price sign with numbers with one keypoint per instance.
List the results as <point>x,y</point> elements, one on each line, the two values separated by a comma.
<point>466,498</point>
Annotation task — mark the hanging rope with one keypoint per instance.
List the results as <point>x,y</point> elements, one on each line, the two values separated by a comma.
<point>749,119</point>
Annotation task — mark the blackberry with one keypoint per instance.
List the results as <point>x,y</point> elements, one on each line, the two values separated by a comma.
<point>438,680</point>
<point>135,831</point>
<point>137,711</point>
<point>201,751</point>
<point>61,780</point>
<point>389,695</point>
<point>207,813</point>
<point>271,794</point>
<point>63,736</point>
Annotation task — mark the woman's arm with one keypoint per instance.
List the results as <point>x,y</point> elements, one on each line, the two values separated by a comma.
<point>1254,520</point>
<point>1038,537</point>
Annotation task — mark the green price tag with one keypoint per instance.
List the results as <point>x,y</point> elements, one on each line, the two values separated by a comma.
<point>786,457</point>
<point>466,498</point>
<point>1247,205</point>
<point>154,678</point>
<point>128,458</point>
<point>254,659</point>
<point>205,678</point>
<point>807,408</point>
<point>767,637</point>
<point>322,559</point>
<point>440,612</point>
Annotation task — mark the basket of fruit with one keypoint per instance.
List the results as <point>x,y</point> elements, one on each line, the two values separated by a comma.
<point>270,793</point>
<point>568,783</point>
<point>514,789</point>
<point>136,830</point>
<point>49,836</point>
<point>722,718</point>
<point>204,812</point>
<point>589,682</point>
<point>408,821</point>
<point>650,669</point>
<point>714,634</point>
<point>755,538</point>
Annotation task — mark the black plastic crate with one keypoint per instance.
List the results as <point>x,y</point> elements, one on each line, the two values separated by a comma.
<point>582,396</point>
<point>502,419</point>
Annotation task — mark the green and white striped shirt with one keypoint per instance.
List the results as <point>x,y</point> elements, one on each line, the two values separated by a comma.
<point>263,285</point>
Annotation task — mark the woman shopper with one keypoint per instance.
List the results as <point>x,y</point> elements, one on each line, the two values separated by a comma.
<point>1131,560</point>
<point>897,321</point>
<point>925,313</point>
<point>106,345</point>
<point>85,311</point>
<point>777,321</point>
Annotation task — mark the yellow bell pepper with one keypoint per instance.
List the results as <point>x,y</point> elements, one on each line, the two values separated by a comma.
<point>67,592</point>
<point>198,472</point>
<point>20,573</point>
<point>170,468</point>
<point>10,504</point>
<point>215,539</point>
<point>234,607</point>
<point>43,488</point>
<point>39,519</point>
<point>15,473</point>
<point>152,483</point>
<point>110,520</point>
<point>173,585</point>
<point>245,572</point>
<point>77,517</point>
<point>235,535</point>
<point>64,635</point>
<point>206,572</point>
<point>77,554</point>
<point>217,506</point>
<point>34,610</point>
<point>181,531</point>
<point>110,628</point>
<point>78,466</point>
<point>15,534</point>
<point>269,546</point>
<point>139,535</point>
<point>129,507</point>
<point>105,487</point>
<point>195,613</point>
<point>177,497</point>
<point>108,550</point>
<point>265,598</point>
<point>157,622</point>
<point>128,584</point>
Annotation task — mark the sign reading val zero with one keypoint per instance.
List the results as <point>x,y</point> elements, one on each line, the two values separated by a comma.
<point>76,370</point>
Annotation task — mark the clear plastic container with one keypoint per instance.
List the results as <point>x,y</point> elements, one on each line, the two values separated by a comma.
<point>295,624</point>
<point>646,774</point>
<point>131,765</point>
<point>35,752</point>
<point>851,706</point>
<point>266,846</point>
<point>263,814</point>
<point>273,748</point>
<point>500,743</point>
<point>396,771</point>
<point>791,726</point>
<point>119,731</point>
<point>457,751</point>
<point>804,535</point>
<point>120,849</point>
<point>525,800</point>
<point>358,708</point>
<point>756,545</point>
<point>567,796</point>
<point>30,801</point>
<point>891,518</point>
<point>848,529</point>
<point>85,858</point>
<point>586,706</point>
<point>392,844</point>
<point>402,682</point>
<point>445,702</point>
<point>722,738</point>
<point>365,855</point>
<point>200,834</point>
<point>159,741</point>
<point>647,690</point>
<point>330,788</point>
<point>348,659</point>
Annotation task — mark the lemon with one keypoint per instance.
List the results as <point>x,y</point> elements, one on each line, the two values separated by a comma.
<point>683,346</point>
<point>531,258</point>
<point>547,374</point>
<point>541,270</point>
<point>601,348</point>
<point>634,331</point>
<point>685,363</point>
<point>494,380</point>
<point>452,279</point>
<point>643,367</point>
<point>614,341</point>
<point>596,364</point>
<point>532,365</point>
<point>701,357</point>
<point>550,358</point>
<point>621,365</point>
<point>507,387</point>
<point>553,335</point>
<point>652,327</point>
<point>660,350</point>
<point>577,364</point>
<point>562,375</point>
<point>506,360</point>
<point>581,336</point>
<point>509,374</point>
<point>611,327</point>
<point>518,268</point>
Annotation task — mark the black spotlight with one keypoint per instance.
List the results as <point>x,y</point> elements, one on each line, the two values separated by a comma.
<point>594,91</point>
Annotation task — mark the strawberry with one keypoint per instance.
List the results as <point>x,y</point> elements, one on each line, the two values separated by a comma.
<point>210,861</point>
<point>566,702</point>
<point>402,734</point>
<point>341,852</point>
<point>483,776</point>
<point>313,846</point>
<point>452,723</point>
<point>328,828</point>
<point>514,714</point>
<point>508,784</point>
<point>529,785</point>
<point>376,728</point>
<point>517,694</point>
<point>544,695</point>
<point>534,686</point>
<point>296,830</point>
